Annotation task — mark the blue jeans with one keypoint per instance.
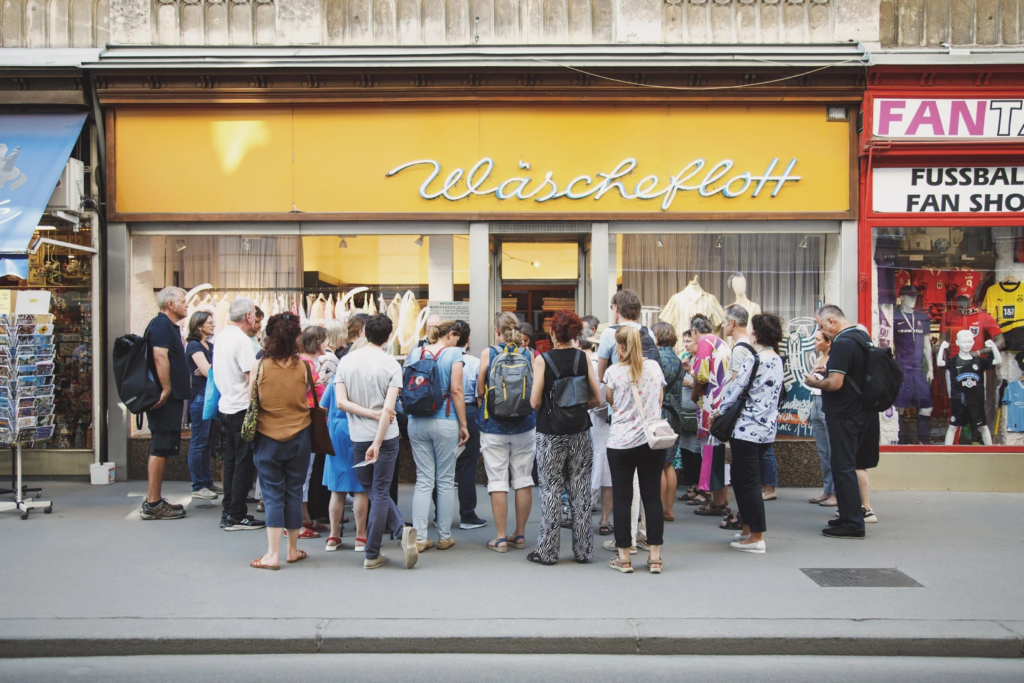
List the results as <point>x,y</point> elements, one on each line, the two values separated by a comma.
<point>769,469</point>
<point>376,481</point>
<point>433,449</point>
<point>820,431</point>
<point>199,445</point>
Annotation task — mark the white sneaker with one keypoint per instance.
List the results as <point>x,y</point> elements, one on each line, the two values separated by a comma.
<point>381,560</point>
<point>610,545</point>
<point>205,494</point>
<point>740,537</point>
<point>757,548</point>
<point>412,553</point>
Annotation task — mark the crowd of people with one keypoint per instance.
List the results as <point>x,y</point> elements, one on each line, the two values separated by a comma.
<point>583,414</point>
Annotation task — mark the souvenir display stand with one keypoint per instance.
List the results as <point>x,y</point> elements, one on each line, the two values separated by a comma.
<point>26,388</point>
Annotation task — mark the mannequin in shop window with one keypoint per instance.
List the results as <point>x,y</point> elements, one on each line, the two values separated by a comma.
<point>966,378</point>
<point>688,303</point>
<point>738,283</point>
<point>913,349</point>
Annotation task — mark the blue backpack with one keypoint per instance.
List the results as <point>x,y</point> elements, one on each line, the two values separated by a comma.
<point>422,394</point>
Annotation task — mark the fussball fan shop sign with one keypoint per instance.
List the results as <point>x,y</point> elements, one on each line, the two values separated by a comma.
<point>954,189</point>
<point>949,119</point>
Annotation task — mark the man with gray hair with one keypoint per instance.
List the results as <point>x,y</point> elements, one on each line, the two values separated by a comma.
<point>164,418</point>
<point>233,359</point>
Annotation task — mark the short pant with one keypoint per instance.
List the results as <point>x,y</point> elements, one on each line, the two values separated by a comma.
<point>508,456</point>
<point>165,424</point>
<point>964,414</point>
<point>915,392</point>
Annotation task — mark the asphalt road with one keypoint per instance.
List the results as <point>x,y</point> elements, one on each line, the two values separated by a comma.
<point>477,668</point>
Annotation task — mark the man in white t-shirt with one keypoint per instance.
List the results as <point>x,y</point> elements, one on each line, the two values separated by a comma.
<point>367,383</point>
<point>233,359</point>
<point>625,311</point>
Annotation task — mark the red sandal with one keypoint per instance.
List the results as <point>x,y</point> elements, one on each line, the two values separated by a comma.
<point>314,526</point>
<point>308,533</point>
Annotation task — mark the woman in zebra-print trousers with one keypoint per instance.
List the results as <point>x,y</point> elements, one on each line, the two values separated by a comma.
<point>564,388</point>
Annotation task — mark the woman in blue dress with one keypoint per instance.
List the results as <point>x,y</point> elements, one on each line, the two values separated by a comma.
<point>340,478</point>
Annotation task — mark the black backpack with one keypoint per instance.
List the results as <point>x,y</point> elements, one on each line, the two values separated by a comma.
<point>882,378</point>
<point>135,373</point>
<point>648,346</point>
<point>568,398</point>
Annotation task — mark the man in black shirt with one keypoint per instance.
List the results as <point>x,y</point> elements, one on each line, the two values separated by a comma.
<point>165,416</point>
<point>845,415</point>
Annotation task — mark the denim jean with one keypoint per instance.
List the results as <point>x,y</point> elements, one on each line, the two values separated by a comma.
<point>376,481</point>
<point>769,469</point>
<point>820,431</point>
<point>845,435</point>
<point>199,445</point>
<point>282,466</point>
<point>433,450</point>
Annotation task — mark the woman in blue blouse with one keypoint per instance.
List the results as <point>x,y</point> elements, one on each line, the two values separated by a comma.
<point>754,432</point>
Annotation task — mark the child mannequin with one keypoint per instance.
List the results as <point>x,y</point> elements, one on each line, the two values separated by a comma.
<point>967,378</point>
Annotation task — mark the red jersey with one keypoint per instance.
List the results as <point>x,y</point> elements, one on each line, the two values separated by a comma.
<point>932,284</point>
<point>982,325</point>
<point>964,282</point>
<point>903,279</point>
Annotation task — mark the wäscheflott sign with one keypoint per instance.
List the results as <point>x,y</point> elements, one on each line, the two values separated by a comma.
<point>955,189</point>
<point>949,119</point>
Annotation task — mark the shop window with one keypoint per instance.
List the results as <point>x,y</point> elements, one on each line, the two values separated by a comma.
<point>54,402</point>
<point>680,275</point>
<point>959,287</point>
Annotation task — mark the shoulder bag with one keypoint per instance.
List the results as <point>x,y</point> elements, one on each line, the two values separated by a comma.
<point>253,412</point>
<point>658,431</point>
<point>319,437</point>
<point>723,425</point>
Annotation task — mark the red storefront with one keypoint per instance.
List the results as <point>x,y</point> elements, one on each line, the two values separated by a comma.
<point>942,251</point>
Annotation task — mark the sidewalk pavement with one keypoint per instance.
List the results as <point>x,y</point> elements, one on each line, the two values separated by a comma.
<point>94,579</point>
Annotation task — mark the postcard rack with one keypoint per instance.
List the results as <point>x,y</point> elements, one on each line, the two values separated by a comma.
<point>26,396</point>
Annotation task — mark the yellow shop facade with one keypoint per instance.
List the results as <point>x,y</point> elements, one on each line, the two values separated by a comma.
<point>475,191</point>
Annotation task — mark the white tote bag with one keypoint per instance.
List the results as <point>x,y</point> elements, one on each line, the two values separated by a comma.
<point>658,431</point>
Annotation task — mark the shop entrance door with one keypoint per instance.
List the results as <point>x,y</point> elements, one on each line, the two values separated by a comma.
<point>538,276</point>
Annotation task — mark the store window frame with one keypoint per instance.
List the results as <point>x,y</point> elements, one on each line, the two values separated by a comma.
<point>882,153</point>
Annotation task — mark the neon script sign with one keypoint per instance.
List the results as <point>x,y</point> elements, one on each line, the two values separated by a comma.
<point>459,184</point>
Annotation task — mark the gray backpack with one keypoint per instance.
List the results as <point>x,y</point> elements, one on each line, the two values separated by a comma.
<point>509,384</point>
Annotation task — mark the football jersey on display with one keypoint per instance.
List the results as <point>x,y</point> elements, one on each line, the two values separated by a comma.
<point>903,279</point>
<point>1005,303</point>
<point>933,284</point>
<point>1013,399</point>
<point>964,282</point>
<point>982,325</point>
<point>968,378</point>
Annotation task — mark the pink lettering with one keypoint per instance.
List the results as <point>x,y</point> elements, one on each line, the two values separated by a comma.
<point>927,115</point>
<point>889,111</point>
<point>975,126</point>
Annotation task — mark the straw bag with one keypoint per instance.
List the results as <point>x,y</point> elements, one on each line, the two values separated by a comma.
<point>658,431</point>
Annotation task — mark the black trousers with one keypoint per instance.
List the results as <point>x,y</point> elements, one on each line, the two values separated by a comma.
<point>647,464</point>
<point>238,466</point>
<point>746,481</point>
<point>845,435</point>
<point>465,466</point>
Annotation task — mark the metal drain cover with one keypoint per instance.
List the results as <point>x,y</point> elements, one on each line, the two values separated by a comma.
<point>861,578</point>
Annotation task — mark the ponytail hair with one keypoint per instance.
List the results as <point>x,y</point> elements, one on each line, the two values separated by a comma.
<point>631,354</point>
<point>442,329</point>
<point>507,325</point>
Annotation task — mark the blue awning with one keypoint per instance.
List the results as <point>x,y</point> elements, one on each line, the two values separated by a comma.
<point>34,148</point>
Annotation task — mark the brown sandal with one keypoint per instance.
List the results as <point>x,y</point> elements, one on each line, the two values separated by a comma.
<point>669,517</point>
<point>654,566</point>
<point>617,564</point>
<point>300,558</point>
<point>258,564</point>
